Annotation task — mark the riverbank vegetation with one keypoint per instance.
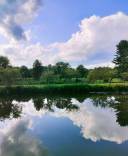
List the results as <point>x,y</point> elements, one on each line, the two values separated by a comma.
<point>66,89</point>
<point>62,74</point>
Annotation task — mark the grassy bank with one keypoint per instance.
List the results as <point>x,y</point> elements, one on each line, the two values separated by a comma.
<point>64,89</point>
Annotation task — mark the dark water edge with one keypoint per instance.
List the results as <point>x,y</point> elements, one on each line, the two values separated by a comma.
<point>64,89</point>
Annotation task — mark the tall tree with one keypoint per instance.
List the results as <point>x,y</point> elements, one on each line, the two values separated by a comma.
<point>24,71</point>
<point>82,71</point>
<point>121,57</point>
<point>4,62</point>
<point>101,73</point>
<point>37,69</point>
<point>60,68</point>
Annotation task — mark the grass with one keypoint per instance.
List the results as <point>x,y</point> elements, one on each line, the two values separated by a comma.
<point>64,89</point>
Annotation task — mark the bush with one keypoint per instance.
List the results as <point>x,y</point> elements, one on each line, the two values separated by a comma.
<point>8,76</point>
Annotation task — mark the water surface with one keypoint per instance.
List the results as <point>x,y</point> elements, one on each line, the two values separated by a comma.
<point>64,126</point>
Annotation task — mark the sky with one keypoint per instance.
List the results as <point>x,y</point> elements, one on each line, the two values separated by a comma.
<point>76,31</point>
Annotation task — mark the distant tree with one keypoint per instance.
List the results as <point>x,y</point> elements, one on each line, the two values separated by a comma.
<point>124,76</point>
<point>121,57</point>
<point>24,71</point>
<point>82,71</point>
<point>37,69</point>
<point>49,76</point>
<point>70,73</point>
<point>9,76</point>
<point>4,62</point>
<point>49,67</point>
<point>60,68</point>
<point>104,74</point>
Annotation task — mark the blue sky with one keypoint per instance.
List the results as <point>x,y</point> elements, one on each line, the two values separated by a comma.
<point>75,31</point>
<point>59,19</point>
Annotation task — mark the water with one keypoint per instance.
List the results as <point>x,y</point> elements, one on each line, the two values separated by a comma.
<point>64,126</point>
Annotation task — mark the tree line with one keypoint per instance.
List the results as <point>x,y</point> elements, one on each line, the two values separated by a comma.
<point>62,72</point>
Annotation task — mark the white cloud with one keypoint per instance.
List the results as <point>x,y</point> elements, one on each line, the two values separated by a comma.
<point>17,141</point>
<point>96,34</point>
<point>97,37</point>
<point>89,118</point>
<point>14,14</point>
<point>25,53</point>
<point>105,64</point>
<point>92,121</point>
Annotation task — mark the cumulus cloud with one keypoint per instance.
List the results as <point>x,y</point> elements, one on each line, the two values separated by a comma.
<point>89,118</point>
<point>26,53</point>
<point>16,135</point>
<point>93,44</point>
<point>96,35</point>
<point>14,14</point>
<point>92,121</point>
<point>16,141</point>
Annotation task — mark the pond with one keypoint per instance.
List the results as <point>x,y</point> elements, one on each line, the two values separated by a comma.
<point>83,125</point>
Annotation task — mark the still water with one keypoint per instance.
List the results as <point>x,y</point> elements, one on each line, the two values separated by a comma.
<point>64,126</point>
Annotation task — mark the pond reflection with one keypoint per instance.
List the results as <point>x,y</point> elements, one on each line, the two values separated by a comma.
<point>48,103</point>
<point>8,109</point>
<point>17,141</point>
<point>40,126</point>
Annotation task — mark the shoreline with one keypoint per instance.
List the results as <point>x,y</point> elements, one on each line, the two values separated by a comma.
<point>65,89</point>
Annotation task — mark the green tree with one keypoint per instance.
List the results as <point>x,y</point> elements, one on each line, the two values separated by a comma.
<point>121,57</point>
<point>37,69</point>
<point>124,76</point>
<point>60,68</point>
<point>104,74</point>
<point>50,77</point>
<point>82,71</point>
<point>4,62</point>
<point>70,73</point>
<point>9,76</point>
<point>24,71</point>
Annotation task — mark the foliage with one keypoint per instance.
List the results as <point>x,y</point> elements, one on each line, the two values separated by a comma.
<point>60,68</point>
<point>4,62</point>
<point>63,89</point>
<point>121,57</point>
<point>70,73</point>
<point>82,71</point>
<point>37,69</point>
<point>24,71</point>
<point>49,77</point>
<point>8,76</point>
<point>63,73</point>
<point>124,76</point>
<point>104,74</point>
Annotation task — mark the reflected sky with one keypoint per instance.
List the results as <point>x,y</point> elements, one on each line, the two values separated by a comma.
<point>55,126</point>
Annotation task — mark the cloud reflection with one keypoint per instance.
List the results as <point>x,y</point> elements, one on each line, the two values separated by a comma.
<point>17,141</point>
<point>96,123</point>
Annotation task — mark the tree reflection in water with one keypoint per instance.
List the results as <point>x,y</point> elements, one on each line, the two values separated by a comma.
<point>49,103</point>
<point>118,103</point>
<point>10,109</point>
